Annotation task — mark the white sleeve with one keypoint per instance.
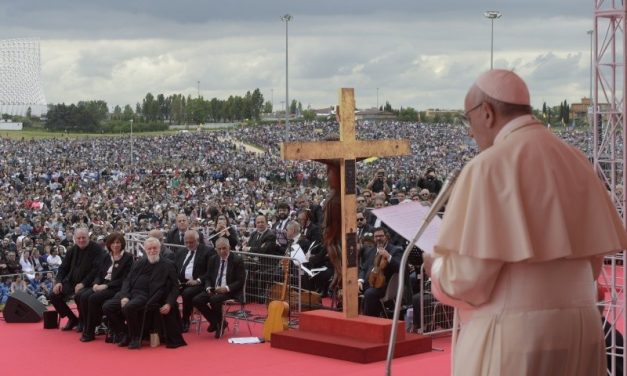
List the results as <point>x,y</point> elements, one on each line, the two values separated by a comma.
<point>462,281</point>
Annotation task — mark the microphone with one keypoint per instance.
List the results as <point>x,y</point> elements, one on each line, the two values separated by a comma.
<point>438,203</point>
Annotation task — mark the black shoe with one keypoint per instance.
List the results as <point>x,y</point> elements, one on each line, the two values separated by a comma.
<point>134,344</point>
<point>79,327</point>
<point>175,345</point>
<point>110,338</point>
<point>124,341</point>
<point>185,327</point>
<point>87,337</point>
<point>220,330</point>
<point>71,324</point>
<point>211,328</point>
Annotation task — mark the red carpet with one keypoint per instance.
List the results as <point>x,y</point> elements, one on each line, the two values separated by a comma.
<point>29,348</point>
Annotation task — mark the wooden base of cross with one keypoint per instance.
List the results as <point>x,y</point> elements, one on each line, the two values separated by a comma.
<point>346,151</point>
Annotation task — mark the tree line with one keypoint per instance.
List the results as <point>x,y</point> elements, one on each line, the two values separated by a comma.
<point>154,113</point>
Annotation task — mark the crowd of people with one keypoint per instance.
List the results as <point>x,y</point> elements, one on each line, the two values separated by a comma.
<point>49,188</point>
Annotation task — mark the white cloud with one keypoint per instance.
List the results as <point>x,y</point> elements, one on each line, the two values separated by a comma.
<point>418,54</point>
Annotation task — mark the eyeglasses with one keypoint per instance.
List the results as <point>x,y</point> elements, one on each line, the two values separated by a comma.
<point>361,219</point>
<point>464,117</point>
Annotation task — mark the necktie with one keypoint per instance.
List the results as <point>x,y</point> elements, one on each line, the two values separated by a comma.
<point>190,255</point>
<point>219,281</point>
<point>181,237</point>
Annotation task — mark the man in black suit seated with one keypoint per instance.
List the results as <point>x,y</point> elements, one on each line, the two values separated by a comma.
<point>393,255</point>
<point>224,280</point>
<point>262,241</point>
<point>316,255</point>
<point>304,202</point>
<point>76,274</point>
<point>191,264</point>
<point>308,229</point>
<point>362,225</point>
<point>152,283</point>
<point>177,235</point>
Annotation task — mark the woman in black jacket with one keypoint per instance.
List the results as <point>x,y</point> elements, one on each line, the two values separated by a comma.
<point>113,270</point>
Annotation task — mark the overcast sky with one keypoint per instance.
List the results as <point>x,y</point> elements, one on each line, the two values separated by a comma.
<point>423,54</point>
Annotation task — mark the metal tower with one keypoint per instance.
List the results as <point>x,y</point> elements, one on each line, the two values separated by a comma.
<point>609,130</point>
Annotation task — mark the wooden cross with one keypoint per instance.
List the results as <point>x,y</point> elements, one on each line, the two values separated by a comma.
<point>346,151</point>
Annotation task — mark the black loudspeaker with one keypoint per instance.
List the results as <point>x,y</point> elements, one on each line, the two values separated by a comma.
<point>22,307</point>
<point>51,320</point>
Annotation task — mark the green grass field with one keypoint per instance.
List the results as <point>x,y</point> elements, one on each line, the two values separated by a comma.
<point>38,134</point>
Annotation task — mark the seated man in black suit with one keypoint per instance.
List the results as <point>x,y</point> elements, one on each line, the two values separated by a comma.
<point>224,280</point>
<point>151,283</point>
<point>393,255</point>
<point>316,255</point>
<point>309,230</point>
<point>76,273</point>
<point>191,264</point>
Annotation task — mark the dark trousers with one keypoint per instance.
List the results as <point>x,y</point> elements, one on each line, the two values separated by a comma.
<point>90,304</point>
<point>188,293</point>
<point>213,314</point>
<point>372,301</point>
<point>131,313</point>
<point>59,301</point>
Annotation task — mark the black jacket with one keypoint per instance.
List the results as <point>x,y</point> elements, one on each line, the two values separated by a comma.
<point>120,270</point>
<point>163,286</point>
<point>235,273</point>
<point>201,261</point>
<point>74,273</point>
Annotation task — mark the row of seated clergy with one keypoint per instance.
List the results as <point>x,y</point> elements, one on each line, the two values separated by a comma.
<point>152,283</point>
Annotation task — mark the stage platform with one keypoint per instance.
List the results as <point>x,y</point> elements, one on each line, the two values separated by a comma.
<point>361,339</point>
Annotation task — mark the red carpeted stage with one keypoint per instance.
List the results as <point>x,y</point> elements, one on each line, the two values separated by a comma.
<point>28,348</point>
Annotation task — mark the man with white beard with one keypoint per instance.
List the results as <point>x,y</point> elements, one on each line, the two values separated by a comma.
<point>152,283</point>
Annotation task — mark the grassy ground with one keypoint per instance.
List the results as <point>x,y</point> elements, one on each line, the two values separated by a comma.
<point>42,134</point>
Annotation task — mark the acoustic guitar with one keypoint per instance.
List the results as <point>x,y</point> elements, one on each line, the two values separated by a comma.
<point>277,312</point>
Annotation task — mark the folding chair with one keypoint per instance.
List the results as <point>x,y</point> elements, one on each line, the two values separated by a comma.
<point>227,305</point>
<point>390,293</point>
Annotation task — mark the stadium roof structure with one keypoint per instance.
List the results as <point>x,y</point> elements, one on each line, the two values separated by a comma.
<point>20,76</point>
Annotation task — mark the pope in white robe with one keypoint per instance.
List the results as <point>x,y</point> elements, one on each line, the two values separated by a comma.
<point>522,243</point>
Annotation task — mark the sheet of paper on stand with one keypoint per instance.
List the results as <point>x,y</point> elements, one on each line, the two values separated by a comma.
<point>297,254</point>
<point>406,219</point>
<point>312,272</point>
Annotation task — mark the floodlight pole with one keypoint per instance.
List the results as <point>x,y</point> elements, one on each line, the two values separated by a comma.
<point>492,15</point>
<point>286,18</point>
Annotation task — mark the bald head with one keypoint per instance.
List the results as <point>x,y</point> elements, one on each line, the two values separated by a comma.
<point>157,234</point>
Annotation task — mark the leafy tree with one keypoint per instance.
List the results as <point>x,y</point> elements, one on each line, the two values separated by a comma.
<point>408,114</point>
<point>293,106</point>
<point>127,113</point>
<point>387,107</point>
<point>309,115</point>
<point>267,107</point>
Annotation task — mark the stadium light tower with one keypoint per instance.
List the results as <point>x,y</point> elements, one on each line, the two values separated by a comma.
<point>286,18</point>
<point>492,15</point>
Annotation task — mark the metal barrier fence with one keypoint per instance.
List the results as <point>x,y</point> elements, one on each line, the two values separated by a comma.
<point>435,317</point>
<point>265,282</point>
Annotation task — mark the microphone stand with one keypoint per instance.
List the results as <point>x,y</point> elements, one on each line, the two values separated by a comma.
<point>438,203</point>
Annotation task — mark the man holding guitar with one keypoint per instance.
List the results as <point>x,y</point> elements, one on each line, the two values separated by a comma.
<point>224,280</point>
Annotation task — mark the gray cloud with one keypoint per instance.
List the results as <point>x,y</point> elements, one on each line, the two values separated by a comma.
<point>421,54</point>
